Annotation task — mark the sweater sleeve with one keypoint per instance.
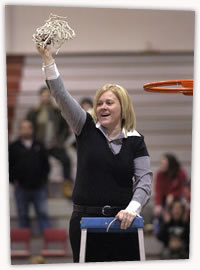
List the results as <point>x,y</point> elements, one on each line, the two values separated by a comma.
<point>142,184</point>
<point>142,180</point>
<point>70,108</point>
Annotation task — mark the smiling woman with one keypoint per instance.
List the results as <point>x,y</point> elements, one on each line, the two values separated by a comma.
<point>113,173</point>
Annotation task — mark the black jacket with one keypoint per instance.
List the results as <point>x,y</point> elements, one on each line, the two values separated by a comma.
<point>29,167</point>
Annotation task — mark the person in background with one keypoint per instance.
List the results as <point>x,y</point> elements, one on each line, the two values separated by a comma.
<point>86,103</point>
<point>28,172</point>
<point>169,182</point>
<point>187,195</point>
<point>174,231</point>
<point>51,128</point>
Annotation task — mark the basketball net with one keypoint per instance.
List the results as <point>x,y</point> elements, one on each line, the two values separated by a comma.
<point>55,31</point>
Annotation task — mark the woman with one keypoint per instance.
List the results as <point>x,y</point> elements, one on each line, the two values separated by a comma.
<point>169,182</point>
<point>113,171</point>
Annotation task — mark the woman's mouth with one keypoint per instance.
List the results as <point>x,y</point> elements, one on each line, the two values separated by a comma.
<point>105,115</point>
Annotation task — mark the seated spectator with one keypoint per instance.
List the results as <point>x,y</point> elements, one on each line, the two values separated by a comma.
<point>28,172</point>
<point>187,195</point>
<point>174,231</point>
<point>169,182</point>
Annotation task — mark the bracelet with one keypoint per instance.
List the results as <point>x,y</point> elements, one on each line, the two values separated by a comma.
<point>44,66</point>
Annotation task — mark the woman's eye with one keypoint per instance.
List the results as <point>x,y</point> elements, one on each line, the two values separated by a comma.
<point>109,102</point>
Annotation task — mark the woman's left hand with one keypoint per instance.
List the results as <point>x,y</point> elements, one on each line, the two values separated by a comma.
<point>126,217</point>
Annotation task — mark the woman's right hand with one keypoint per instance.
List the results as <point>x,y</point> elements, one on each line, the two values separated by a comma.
<point>46,54</point>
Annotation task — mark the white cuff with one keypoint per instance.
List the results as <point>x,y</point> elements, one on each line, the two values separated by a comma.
<point>134,206</point>
<point>50,72</point>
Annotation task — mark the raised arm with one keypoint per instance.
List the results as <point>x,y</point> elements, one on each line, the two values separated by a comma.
<point>70,108</point>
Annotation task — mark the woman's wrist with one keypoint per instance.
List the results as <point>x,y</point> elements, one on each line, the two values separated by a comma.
<point>48,64</point>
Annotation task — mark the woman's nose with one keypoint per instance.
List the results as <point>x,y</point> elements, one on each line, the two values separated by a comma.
<point>104,106</point>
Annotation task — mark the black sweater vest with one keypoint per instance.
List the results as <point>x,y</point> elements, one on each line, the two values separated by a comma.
<point>104,178</point>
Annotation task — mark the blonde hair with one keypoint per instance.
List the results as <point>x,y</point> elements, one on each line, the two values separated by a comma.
<point>127,112</point>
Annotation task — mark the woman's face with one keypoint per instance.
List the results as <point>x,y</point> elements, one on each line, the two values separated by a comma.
<point>177,210</point>
<point>108,110</point>
<point>164,164</point>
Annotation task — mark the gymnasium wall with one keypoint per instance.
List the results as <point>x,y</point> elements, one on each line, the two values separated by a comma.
<point>104,30</point>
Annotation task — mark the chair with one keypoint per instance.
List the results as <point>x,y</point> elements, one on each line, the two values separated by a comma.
<point>54,236</point>
<point>20,236</point>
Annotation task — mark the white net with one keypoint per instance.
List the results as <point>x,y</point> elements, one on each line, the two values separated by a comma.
<point>55,31</point>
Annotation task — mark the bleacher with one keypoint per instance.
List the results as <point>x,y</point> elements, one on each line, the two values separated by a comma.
<point>164,119</point>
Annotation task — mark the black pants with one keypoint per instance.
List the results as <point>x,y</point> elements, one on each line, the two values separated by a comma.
<point>103,247</point>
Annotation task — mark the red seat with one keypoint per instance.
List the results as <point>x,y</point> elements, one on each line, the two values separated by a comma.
<point>54,236</point>
<point>20,236</point>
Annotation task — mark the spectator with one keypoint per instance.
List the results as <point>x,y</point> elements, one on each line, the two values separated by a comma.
<point>187,195</point>
<point>174,231</point>
<point>51,128</point>
<point>86,103</point>
<point>28,172</point>
<point>169,182</point>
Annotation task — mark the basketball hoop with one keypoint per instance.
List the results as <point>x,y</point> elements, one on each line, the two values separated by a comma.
<point>185,87</point>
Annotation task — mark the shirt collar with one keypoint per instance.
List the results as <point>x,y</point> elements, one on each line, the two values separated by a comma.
<point>121,135</point>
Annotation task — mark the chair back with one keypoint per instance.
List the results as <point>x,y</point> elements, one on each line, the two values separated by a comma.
<point>55,235</point>
<point>20,235</point>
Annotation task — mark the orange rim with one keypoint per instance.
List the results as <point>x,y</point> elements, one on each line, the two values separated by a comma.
<point>160,87</point>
